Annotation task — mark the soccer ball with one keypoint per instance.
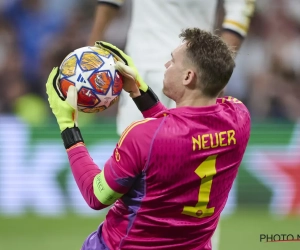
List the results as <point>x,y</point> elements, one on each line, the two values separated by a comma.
<point>91,70</point>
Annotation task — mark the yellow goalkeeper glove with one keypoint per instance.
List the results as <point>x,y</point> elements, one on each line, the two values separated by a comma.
<point>124,65</point>
<point>65,110</point>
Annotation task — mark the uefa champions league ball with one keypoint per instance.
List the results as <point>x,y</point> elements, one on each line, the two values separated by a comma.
<point>91,70</point>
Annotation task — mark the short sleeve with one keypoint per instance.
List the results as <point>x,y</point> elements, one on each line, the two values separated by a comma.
<point>238,14</point>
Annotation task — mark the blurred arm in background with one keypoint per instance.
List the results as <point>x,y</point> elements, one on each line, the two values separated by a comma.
<point>236,22</point>
<point>106,11</point>
<point>233,18</point>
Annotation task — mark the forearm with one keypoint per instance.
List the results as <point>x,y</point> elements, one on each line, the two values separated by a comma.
<point>232,39</point>
<point>84,171</point>
<point>238,14</point>
<point>105,13</point>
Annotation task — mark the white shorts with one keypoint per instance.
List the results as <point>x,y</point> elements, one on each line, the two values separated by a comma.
<point>128,112</point>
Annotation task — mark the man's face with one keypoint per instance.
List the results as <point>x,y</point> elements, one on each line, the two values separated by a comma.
<point>174,74</point>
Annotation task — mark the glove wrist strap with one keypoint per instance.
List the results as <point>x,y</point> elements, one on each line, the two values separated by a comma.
<point>71,136</point>
<point>146,100</point>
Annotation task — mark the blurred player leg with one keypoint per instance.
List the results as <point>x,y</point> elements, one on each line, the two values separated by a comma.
<point>216,238</point>
<point>127,110</point>
<point>228,210</point>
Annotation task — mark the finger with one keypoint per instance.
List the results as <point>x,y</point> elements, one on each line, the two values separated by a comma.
<point>107,45</point>
<point>55,85</point>
<point>71,99</point>
<point>49,85</point>
<point>112,50</point>
<point>72,96</point>
<point>125,70</point>
<point>51,76</point>
<point>116,51</point>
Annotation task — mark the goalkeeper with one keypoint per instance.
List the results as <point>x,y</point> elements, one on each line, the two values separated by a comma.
<point>170,174</point>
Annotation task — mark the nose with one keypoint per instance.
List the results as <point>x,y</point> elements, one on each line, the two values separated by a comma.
<point>167,64</point>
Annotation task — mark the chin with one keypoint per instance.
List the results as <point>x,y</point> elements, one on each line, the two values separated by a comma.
<point>167,94</point>
<point>164,91</point>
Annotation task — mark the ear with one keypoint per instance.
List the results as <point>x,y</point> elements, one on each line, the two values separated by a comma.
<point>189,77</point>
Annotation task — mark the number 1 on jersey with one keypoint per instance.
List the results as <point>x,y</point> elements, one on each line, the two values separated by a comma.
<point>206,170</point>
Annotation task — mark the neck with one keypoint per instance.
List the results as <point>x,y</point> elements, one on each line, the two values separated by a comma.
<point>196,100</point>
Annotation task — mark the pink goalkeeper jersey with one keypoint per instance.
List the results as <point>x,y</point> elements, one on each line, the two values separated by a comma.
<point>177,167</point>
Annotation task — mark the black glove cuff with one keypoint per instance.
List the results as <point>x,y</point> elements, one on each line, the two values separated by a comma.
<point>71,136</point>
<point>146,100</point>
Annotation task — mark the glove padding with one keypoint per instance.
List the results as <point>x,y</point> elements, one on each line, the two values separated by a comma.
<point>64,109</point>
<point>125,66</point>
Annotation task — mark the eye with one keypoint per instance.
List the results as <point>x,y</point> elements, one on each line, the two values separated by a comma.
<point>172,57</point>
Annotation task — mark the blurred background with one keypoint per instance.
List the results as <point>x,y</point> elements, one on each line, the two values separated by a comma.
<point>40,206</point>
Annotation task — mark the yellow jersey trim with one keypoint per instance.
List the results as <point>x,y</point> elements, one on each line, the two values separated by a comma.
<point>237,24</point>
<point>129,128</point>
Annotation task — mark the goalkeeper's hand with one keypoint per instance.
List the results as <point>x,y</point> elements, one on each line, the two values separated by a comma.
<point>141,93</point>
<point>132,81</point>
<point>64,109</point>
